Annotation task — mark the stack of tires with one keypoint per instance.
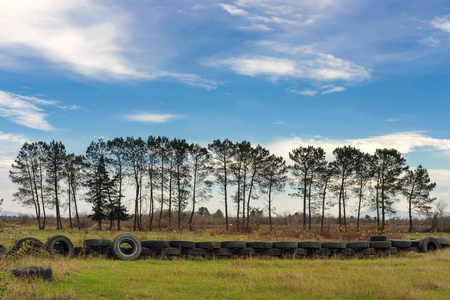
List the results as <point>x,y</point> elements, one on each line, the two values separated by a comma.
<point>128,247</point>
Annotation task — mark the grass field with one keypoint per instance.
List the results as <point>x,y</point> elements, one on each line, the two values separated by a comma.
<point>409,276</point>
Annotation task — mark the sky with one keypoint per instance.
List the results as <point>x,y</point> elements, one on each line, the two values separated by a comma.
<point>283,74</point>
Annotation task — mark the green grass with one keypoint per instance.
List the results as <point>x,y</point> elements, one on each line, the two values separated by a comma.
<point>414,276</point>
<point>410,276</point>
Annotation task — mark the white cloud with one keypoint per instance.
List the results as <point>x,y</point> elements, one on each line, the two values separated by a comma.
<point>305,62</point>
<point>259,65</point>
<point>151,118</point>
<point>23,110</point>
<point>255,27</point>
<point>233,10</point>
<point>404,142</point>
<point>333,89</point>
<point>304,92</point>
<point>52,29</point>
<point>11,138</point>
<point>85,37</point>
<point>441,23</point>
<point>430,41</point>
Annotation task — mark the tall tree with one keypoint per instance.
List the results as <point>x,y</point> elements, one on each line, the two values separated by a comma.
<point>324,177</point>
<point>117,160</point>
<point>182,174</point>
<point>416,186</point>
<point>258,155</point>
<point>25,173</point>
<point>98,182</point>
<point>345,162</point>
<point>54,166</point>
<point>152,169</point>
<point>363,175</point>
<point>389,165</point>
<point>223,154</point>
<point>136,157</point>
<point>273,179</point>
<point>201,169</point>
<point>163,147</point>
<point>75,173</point>
<point>307,160</point>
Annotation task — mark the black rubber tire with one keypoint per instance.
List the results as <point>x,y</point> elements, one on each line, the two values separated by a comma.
<point>323,252</point>
<point>444,242</point>
<point>297,253</point>
<point>285,245</point>
<point>208,245</point>
<point>80,251</point>
<point>245,252</point>
<point>309,245</point>
<point>193,253</point>
<point>2,249</point>
<point>378,238</point>
<point>34,272</point>
<point>260,245</point>
<point>155,244</point>
<point>416,242</point>
<point>401,243</point>
<point>271,252</point>
<point>368,253</point>
<point>221,257</point>
<point>347,253</point>
<point>169,252</point>
<point>334,245</point>
<point>234,244</point>
<point>146,252</point>
<point>222,252</point>
<point>389,251</point>
<point>428,244</point>
<point>182,244</point>
<point>35,245</point>
<point>131,241</point>
<point>59,245</point>
<point>380,244</point>
<point>97,243</point>
<point>358,245</point>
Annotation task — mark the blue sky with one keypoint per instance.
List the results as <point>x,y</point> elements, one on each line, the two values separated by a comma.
<point>283,74</point>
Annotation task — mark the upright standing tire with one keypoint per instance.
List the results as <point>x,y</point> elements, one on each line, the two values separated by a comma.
<point>59,245</point>
<point>428,244</point>
<point>129,240</point>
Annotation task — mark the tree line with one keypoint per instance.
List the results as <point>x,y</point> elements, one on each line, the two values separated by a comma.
<point>173,174</point>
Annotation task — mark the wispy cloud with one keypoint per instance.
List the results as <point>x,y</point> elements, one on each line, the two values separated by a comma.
<point>303,62</point>
<point>24,110</point>
<point>304,92</point>
<point>430,41</point>
<point>256,27</point>
<point>327,89</point>
<point>233,10</point>
<point>151,118</point>
<point>82,36</point>
<point>405,142</point>
<point>11,138</point>
<point>442,23</point>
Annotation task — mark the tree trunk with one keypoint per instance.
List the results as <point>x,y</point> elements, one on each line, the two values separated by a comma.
<point>270,206</point>
<point>193,196</point>
<point>162,195</point>
<point>225,192</point>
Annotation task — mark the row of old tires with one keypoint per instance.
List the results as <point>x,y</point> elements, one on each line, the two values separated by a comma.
<point>128,247</point>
